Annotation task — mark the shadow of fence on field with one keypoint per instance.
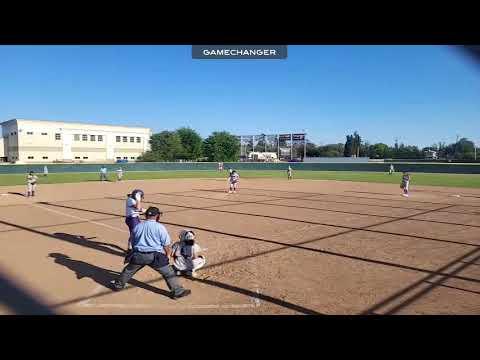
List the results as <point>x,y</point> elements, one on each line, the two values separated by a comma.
<point>19,301</point>
<point>100,275</point>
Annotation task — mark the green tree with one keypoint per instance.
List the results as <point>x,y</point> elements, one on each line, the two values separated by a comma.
<point>378,151</point>
<point>165,146</point>
<point>221,146</point>
<point>191,143</point>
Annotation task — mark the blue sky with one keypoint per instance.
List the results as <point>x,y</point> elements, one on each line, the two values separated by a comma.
<point>418,94</point>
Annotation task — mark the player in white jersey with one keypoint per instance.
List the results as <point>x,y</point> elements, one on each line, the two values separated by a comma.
<point>233,180</point>
<point>289,172</point>
<point>133,209</point>
<point>31,183</point>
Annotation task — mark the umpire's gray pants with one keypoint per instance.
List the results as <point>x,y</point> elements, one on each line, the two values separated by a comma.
<point>166,271</point>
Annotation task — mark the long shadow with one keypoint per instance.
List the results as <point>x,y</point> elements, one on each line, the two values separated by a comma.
<point>440,271</point>
<point>19,301</point>
<point>214,208</point>
<point>296,246</point>
<point>16,193</point>
<point>103,277</point>
<point>97,245</point>
<point>255,295</point>
<point>73,239</point>
<point>366,228</point>
<point>100,275</point>
<point>57,225</point>
<point>339,195</point>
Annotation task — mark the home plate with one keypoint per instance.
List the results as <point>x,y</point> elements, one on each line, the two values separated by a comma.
<point>4,194</point>
<point>456,195</point>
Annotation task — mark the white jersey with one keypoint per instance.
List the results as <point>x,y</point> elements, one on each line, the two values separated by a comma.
<point>32,179</point>
<point>233,178</point>
<point>130,208</point>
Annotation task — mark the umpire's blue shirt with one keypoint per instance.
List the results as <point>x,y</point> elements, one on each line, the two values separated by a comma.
<point>150,236</point>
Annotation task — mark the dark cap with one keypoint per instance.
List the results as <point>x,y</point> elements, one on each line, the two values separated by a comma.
<point>153,211</point>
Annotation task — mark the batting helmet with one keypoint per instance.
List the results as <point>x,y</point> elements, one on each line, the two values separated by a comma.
<point>138,191</point>
<point>186,235</point>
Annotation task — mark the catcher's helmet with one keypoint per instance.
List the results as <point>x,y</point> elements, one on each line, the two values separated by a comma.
<point>186,235</point>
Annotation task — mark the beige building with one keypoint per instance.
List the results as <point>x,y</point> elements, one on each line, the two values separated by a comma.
<point>36,141</point>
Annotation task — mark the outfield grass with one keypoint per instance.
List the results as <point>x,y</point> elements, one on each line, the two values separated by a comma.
<point>455,180</point>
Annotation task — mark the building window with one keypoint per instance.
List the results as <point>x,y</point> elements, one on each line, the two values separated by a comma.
<point>29,132</point>
<point>14,133</point>
<point>11,134</point>
<point>45,157</point>
<point>30,157</point>
<point>92,137</point>
<point>44,134</point>
<point>118,139</point>
<point>125,139</point>
<point>132,158</point>
<point>77,157</point>
<point>119,158</point>
<point>84,137</point>
<point>138,139</point>
<point>132,139</point>
<point>85,157</point>
<point>125,158</point>
<point>100,137</point>
<point>57,137</point>
<point>76,137</point>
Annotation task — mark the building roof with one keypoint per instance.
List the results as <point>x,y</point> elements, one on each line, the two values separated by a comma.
<point>75,123</point>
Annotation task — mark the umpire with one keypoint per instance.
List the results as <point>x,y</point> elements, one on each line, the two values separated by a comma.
<point>151,246</point>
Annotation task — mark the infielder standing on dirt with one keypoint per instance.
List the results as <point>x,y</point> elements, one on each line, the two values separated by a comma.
<point>391,170</point>
<point>151,246</point>
<point>405,183</point>
<point>31,183</point>
<point>233,180</point>
<point>289,172</point>
<point>133,209</point>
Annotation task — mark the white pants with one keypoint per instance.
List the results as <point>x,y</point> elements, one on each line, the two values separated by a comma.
<point>31,187</point>
<point>181,265</point>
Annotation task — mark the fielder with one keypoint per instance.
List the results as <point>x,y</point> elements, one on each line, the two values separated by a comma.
<point>392,170</point>
<point>233,180</point>
<point>289,173</point>
<point>31,183</point>
<point>103,173</point>
<point>185,254</point>
<point>405,183</point>
<point>133,209</point>
<point>119,174</point>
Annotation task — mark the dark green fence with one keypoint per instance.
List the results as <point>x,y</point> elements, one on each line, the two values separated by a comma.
<point>379,167</point>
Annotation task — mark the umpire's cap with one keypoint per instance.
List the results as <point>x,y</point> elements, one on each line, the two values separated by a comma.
<point>153,211</point>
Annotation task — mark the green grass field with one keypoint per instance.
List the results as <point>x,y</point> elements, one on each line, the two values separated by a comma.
<point>455,180</point>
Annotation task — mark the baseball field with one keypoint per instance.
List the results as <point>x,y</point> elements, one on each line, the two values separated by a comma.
<point>304,246</point>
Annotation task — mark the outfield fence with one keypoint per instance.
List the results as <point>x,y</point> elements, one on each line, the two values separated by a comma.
<point>453,168</point>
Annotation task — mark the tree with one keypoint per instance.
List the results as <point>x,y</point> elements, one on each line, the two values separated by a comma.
<point>348,149</point>
<point>378,151</point>
<point>165,146</point>
<point>221,146</point>
<point>191,143</point>
<point>311,149</point>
